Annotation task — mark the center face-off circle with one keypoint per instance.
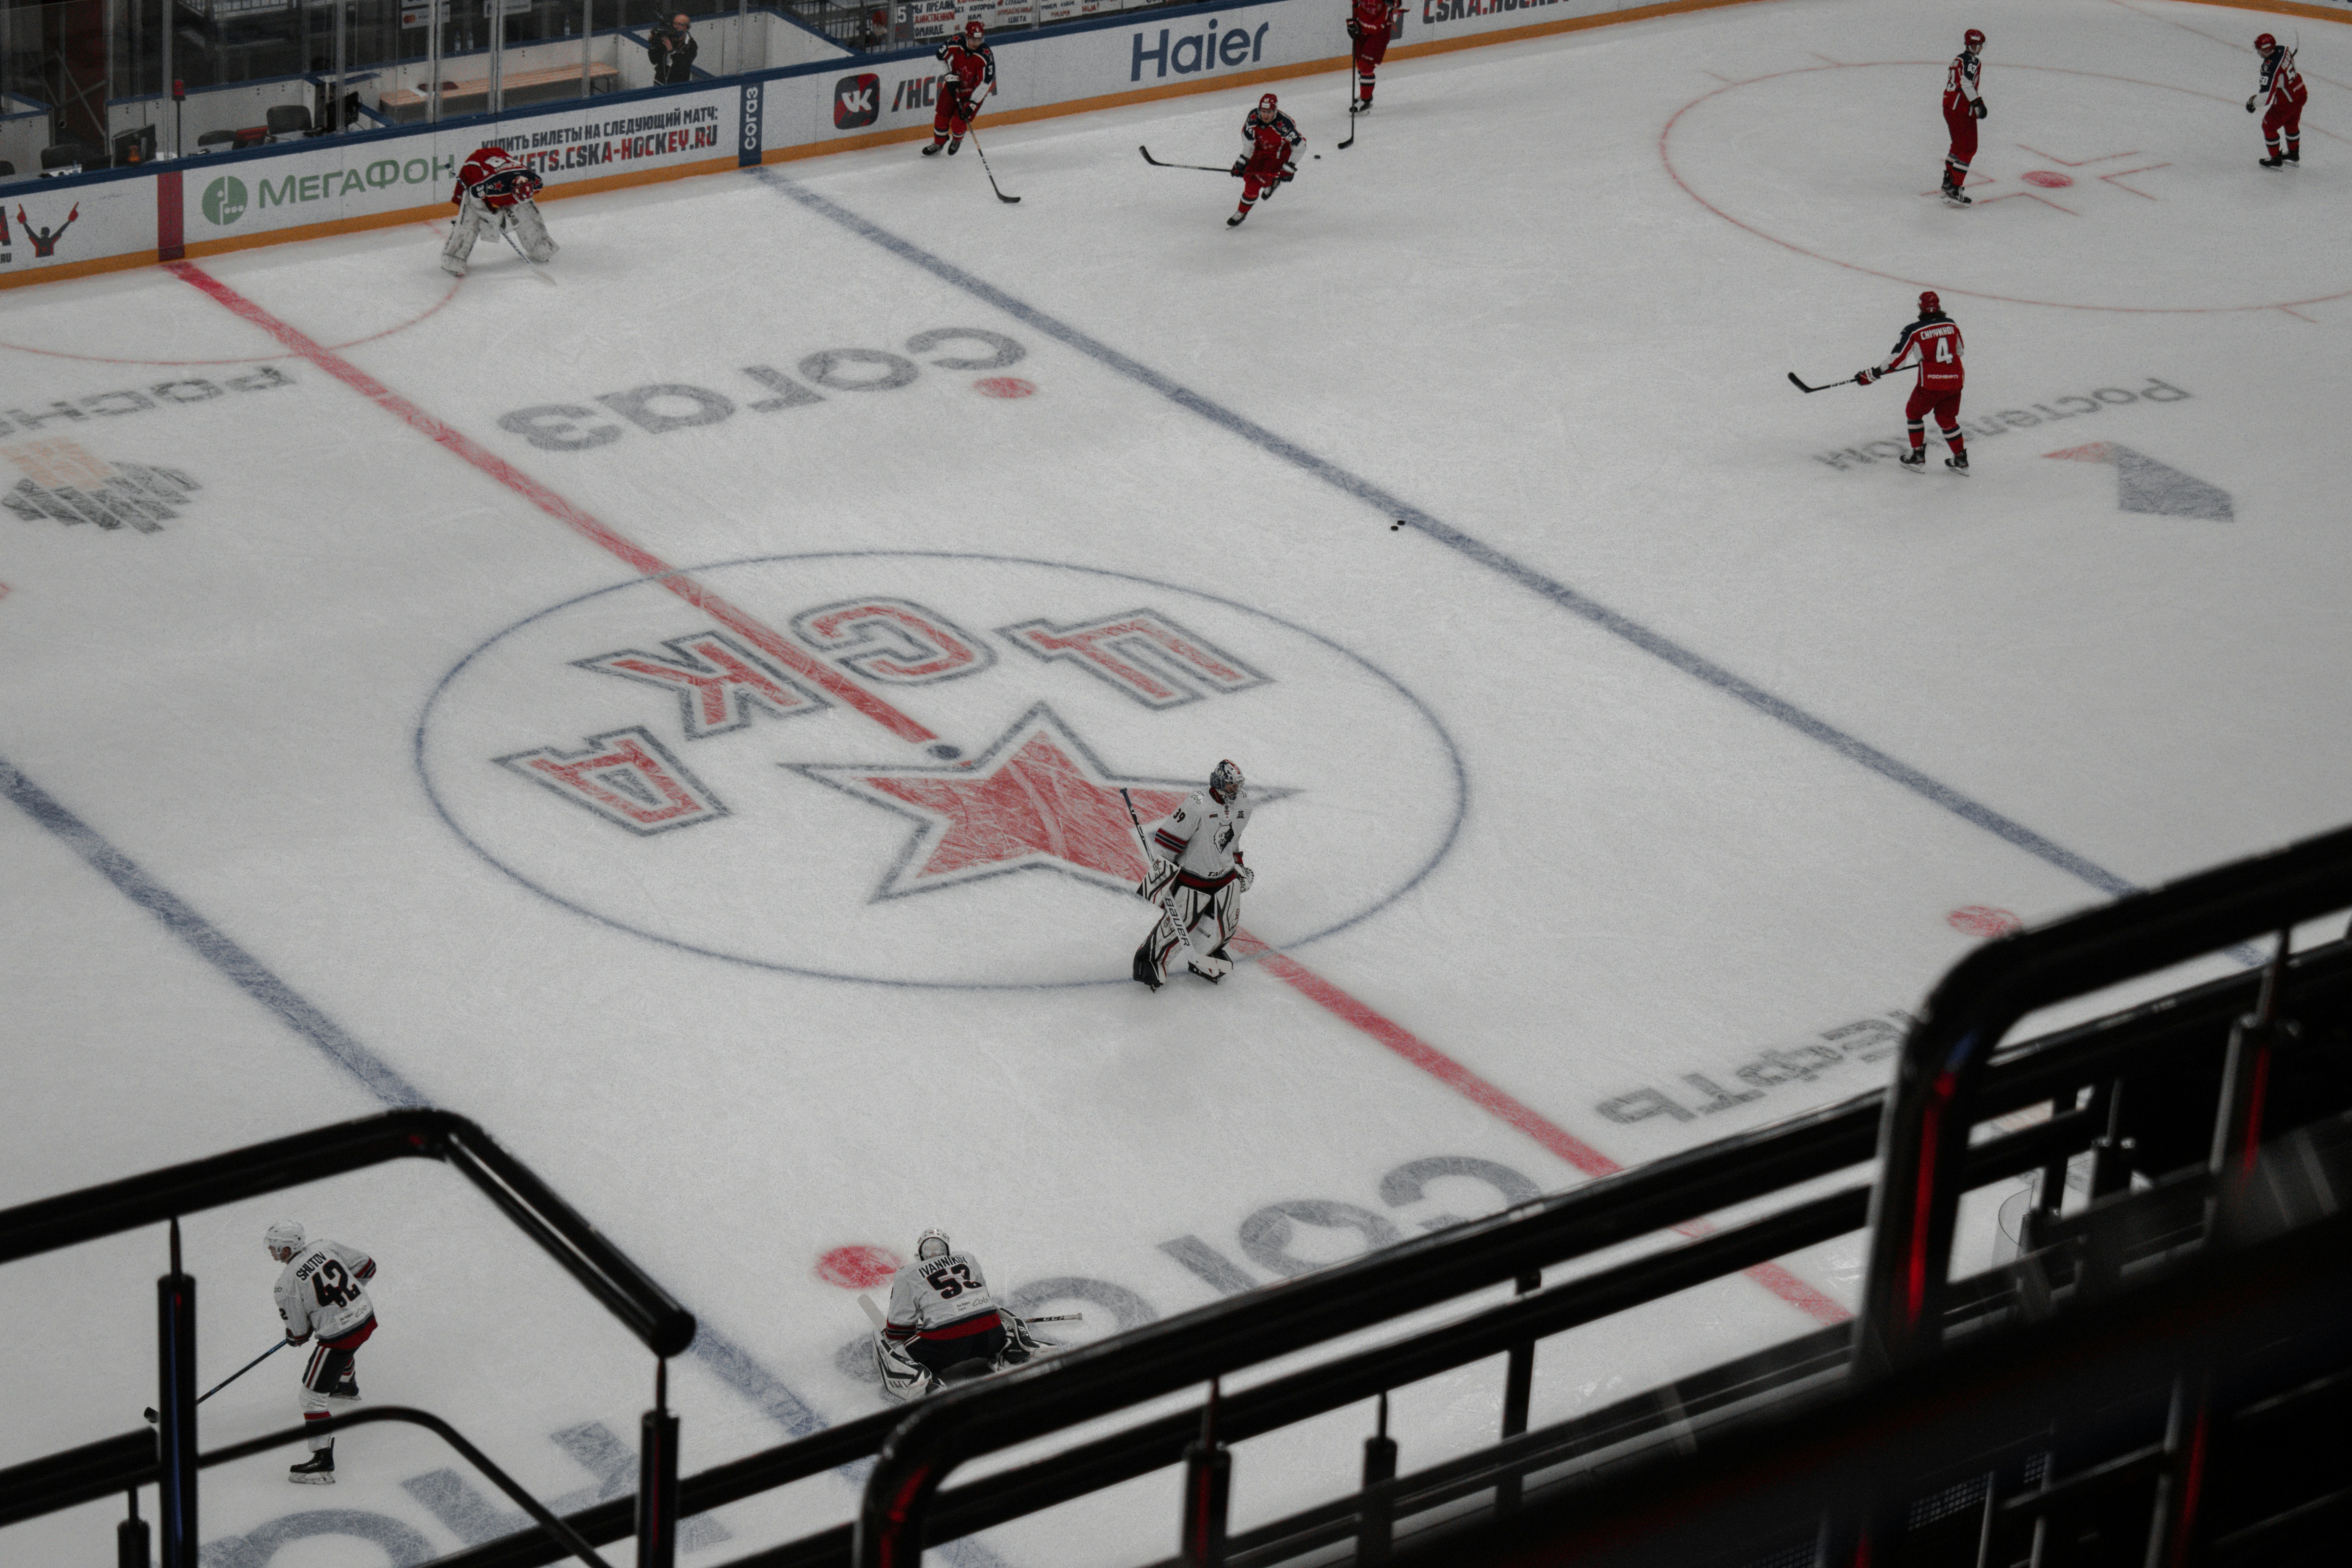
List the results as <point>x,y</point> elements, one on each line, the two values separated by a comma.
<point>2091,192</point>
<point>628,756</point>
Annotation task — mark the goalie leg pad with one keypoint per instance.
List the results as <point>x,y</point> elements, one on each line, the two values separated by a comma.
<point>903,1377</point>
<point>471,216</point>
<point>531,229</point>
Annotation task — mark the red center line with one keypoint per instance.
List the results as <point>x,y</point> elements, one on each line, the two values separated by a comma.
<point>1487,1097</point>
<point>1494,1100</point>
<point>597,533</point>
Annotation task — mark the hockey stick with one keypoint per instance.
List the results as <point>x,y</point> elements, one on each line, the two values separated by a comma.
<point>873,1313</point>
<point>232,1377</point>
<point>983,166</point>
<point>1157,165</point>
<point>1057,1318</point>
<point>508,235</point>
<point>1355,118</point>
<point>1800,386</point>
<point>1167,910</point>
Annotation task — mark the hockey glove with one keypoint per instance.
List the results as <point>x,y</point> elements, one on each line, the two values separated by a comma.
<point>1288,176</point>
<point>1239,164</point>
<point>1864,377</point>
<point>1980,109</point>
<point>1353,30</point>
<point>2250,103</point>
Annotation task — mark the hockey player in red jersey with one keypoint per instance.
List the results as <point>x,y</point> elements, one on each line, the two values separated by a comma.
<point>971,77</point>
<point>2283,90</point>
<point>1963,107</point>
<point>1936,340</point>
<point>493,187</point>
<point>1370,23</point>
<point>1273,141</point>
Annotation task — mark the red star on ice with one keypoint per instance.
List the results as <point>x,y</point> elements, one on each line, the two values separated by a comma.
<point>1038,797</point>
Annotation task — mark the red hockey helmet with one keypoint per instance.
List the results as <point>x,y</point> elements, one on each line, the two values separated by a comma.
<point>1265,105</point>
<point>2265,44</point>
<point>1928,303</point>
<point>973,29</point>
<point>1972,40</point>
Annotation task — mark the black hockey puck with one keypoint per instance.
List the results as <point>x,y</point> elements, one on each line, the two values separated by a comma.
<point>1394,526</point>
<point>1319,157</point>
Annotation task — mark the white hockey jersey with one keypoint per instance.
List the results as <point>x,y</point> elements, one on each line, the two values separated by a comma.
<point>323,1291</point>
<point>1203,837</point>
<point>940,1293</point>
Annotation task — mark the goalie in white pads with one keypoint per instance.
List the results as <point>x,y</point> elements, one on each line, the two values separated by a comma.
<point>322,1291</point>
<point>943,1325</point>
<point>494,191</point>
<point>1197,879</point>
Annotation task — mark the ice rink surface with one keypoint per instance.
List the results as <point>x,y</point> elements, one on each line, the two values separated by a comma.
<point>1634,734</point>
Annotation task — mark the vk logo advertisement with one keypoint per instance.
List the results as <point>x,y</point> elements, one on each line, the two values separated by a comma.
<point>856,101</point>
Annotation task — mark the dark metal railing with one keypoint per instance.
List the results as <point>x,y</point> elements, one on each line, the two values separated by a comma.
<point>1936,1098</point>
<point>625,1290</point>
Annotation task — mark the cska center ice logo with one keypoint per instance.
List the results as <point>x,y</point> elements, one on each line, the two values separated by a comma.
<point>907,768</point>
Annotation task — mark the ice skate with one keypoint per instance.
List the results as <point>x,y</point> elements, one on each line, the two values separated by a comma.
<point>1955,197</point>
<point>1916,458</point>
<point>955,146</point>
<point>347,1389</point>
<point>2275,161</point>
<point>318,1470</point>
<point>1146,972</point>
<point>1236,221</point>
<point>1958,462</point>
<point>937,143</point>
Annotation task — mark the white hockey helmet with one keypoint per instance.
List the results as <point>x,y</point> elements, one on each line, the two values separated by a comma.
<point>1225,780</point>
<point>924,1243</point>
<point>283,1236</point>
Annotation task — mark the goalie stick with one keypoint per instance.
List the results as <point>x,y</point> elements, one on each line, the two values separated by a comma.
<point>508,235</point>
<point>873,1315</point>
<point>1214,968</point>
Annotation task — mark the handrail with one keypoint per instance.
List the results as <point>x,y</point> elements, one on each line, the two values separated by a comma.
<point>127,1461</point>
<point>625,1289</point>
<point>1176,1353</point>
<point>1925,1136</point>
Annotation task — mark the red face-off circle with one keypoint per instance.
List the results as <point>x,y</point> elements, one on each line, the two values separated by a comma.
<point>1978,920</point>
<point>1004,386</point>
<point>857,1267</point>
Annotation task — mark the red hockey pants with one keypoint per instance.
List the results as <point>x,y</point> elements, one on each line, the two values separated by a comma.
<point>1963,126</point>
<point>1371,48</point>
<point>2286,117</point>
<point>1944,403</point>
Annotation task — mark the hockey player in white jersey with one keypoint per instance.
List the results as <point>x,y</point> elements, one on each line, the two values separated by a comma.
<point>943,1325</point>
<point>323,1293</point>
<point>1197,879</point>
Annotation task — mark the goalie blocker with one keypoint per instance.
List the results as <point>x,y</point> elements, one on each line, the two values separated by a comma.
<point>494,189</point>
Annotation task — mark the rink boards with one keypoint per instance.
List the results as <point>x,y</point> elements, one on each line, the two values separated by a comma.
<point>105,221</point>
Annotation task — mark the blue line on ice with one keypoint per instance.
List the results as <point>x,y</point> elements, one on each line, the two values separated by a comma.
<point>734,1365</point>
<point>1650,642</point>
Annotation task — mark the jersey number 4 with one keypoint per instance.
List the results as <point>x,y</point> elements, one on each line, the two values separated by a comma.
<point>1943,351</point>
<point>333,1285</point>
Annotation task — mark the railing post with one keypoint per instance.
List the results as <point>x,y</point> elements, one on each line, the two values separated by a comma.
<point>1376,1518</point>
<point>658,1479</point>
<point>1519,1385</point>
<point>176,1411</point>
<point>2245,1086</point>
<point>1208,1482</point>
<point>130,1538</point>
